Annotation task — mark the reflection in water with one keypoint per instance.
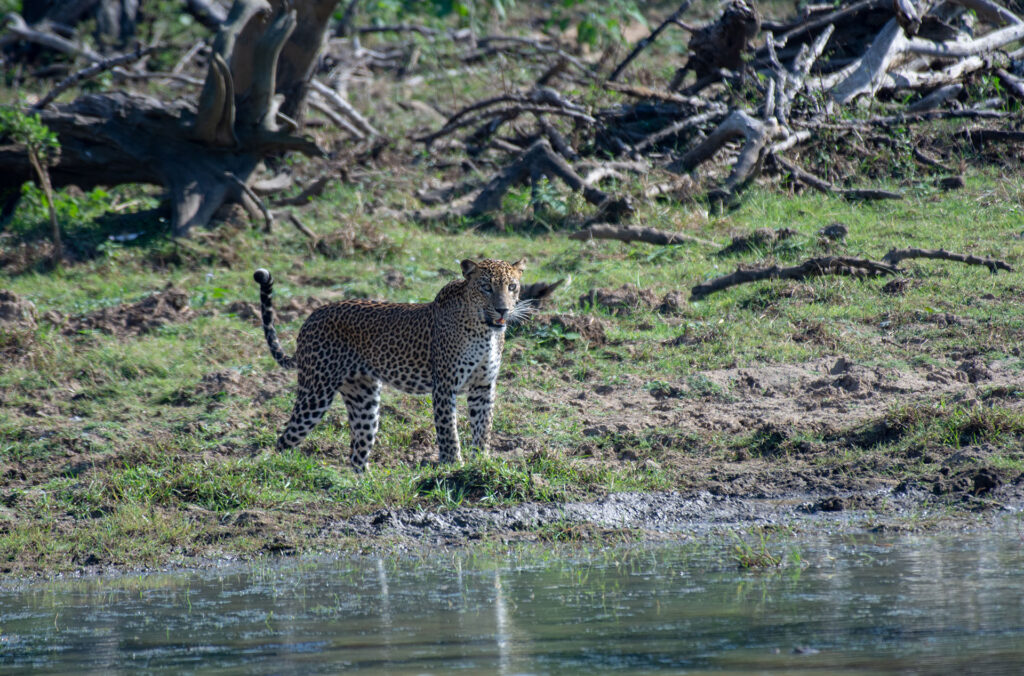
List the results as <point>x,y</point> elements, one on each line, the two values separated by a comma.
<point>938,604</point>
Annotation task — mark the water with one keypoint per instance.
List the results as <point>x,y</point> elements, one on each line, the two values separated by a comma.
<point>921,604</point>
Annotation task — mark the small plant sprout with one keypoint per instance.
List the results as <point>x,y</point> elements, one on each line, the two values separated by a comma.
<point>42,149</point>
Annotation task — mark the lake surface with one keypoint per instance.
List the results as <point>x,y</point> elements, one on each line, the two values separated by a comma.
<point>849,604</point>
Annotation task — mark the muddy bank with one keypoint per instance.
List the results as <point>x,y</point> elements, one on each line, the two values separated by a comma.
<point>668,514</point>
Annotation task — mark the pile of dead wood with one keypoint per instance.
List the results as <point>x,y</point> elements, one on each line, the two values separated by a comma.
<point>751,96</point>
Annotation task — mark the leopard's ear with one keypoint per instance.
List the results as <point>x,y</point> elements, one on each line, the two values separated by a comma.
<point>520,264</point>
<point>468,267</point>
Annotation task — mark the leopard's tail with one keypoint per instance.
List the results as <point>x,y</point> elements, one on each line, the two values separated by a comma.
<point>266,283</point>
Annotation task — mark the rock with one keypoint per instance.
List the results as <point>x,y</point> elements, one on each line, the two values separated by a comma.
<point>897,286</point>
<point>835,231</point>
<point>950,183</point>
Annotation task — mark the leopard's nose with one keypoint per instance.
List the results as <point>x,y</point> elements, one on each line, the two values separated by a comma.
<point>502,312</point>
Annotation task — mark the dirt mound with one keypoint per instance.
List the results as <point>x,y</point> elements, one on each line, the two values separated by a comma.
<point>218,383</point>
<point>587,327</point>
<point>622,301</point>
<point>217,386</point>
<point>15,312</point>
<point>169,306</point>
<point>17,326</point>
<point>759,240</point>
<point>288,311</point>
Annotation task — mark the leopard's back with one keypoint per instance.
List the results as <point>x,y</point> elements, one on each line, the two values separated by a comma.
<point>389,341</point>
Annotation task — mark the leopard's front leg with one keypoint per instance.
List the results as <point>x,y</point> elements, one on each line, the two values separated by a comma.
<point>444,423</point>
<point>481,410</point>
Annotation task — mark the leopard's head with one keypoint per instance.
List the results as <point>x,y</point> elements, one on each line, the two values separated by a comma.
<point>492,287</point>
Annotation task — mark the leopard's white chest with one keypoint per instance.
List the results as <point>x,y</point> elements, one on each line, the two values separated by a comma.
<point>480,361</point>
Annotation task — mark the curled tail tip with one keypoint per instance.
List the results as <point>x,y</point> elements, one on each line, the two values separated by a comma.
<point>262,277</point>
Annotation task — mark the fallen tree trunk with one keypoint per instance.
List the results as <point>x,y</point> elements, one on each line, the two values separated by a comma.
<point>205,154</point>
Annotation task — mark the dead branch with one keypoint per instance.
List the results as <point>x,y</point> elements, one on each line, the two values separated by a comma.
<point>1013,84</point>
<point>640,92</point>
<point>927,160</point>
<point>344,107</point>
<point>675,128</point>
<point>640,46</point>
<point>813,267</point>
<point>508,108</point>
<point>867,76</point>
<point>208,13</point>
<point>316,102</point>
<point>738,123</point>
<point>447,192</point>
<point>491,43</point>
<point>398,28</point>
<point>537,292</point>
<point>824,186</point>
<point>303,228</point>
<point>626,233</point>
<point>314,189</point>
<point>837,17</point>
<point>909,118</point>
<point>539,160</point>
<point>268,217</point>
<point>39,165</point>
<point>17,30</point>
<point>979,137</point>
<point>936,98</point>
<point>895,256</point>
<point>274,184</point>
<point>558,142</point>
<point>989,11</point>
<point>958,49</point>
<point>90,72</point>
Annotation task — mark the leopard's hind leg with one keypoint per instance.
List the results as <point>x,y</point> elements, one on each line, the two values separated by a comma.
<point>362,399</point>
<point>313,398</point>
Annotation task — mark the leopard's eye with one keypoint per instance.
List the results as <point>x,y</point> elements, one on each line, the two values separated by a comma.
<point>512,286</point>
<point>486,287</point>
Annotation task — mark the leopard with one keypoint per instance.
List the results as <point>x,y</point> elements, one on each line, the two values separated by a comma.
<point>446,347</point>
